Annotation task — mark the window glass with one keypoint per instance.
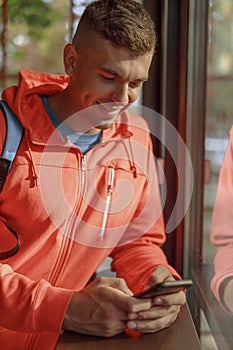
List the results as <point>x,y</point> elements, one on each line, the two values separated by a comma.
<point>35,33</point>
<point>219,105</point>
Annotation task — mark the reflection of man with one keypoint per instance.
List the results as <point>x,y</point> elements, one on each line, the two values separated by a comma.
<point>222,232</point>
<point>64,239</point>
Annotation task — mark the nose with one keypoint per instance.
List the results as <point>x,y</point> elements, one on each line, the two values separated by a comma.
<point>121,94</point>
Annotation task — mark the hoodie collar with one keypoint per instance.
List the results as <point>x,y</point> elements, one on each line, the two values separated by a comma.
<point>25,101</point>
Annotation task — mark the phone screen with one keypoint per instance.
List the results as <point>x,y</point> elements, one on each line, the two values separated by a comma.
<point>167,287</point>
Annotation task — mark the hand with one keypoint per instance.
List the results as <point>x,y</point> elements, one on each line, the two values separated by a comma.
<point>228,295</point>
<point>102,307</point>
<point>164,309</point>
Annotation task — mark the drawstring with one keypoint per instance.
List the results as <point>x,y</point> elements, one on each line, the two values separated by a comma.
<point>35,175</point>
<point>131,155</point>
<point>111,174</point>
<point>132,163</point>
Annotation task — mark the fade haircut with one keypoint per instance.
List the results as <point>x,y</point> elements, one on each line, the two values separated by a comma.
<point>125,23</point>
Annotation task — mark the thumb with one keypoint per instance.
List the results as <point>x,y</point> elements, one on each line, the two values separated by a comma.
<point>160,274</point>
<point>114,282</point>
<point>117,291</point>
<point>119,283</point>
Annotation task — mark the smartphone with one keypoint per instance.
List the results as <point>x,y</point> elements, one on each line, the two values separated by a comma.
<point>167,287</point>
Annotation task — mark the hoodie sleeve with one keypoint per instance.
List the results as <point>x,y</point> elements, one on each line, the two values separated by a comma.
<point>26,305</point>
<point>136,260</point>
<point>222,223</point>
<point>29,306</point>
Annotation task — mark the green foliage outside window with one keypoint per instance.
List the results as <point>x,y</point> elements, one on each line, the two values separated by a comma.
<point>37,32</point>
<point>36,15</point>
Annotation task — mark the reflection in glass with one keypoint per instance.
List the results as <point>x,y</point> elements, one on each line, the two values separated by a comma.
<point>219,105</point>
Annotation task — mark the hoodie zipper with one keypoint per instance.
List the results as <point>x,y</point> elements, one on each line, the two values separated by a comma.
<point>66,245</point>
<point>111,175</point>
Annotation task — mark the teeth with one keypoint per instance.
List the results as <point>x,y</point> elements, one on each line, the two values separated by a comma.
<point>111,108</point>
<point>110,111</point>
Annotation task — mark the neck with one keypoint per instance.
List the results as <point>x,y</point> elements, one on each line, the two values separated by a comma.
<point>63,108</point>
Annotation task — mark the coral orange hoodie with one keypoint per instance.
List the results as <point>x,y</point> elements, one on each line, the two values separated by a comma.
<point>71,211</point>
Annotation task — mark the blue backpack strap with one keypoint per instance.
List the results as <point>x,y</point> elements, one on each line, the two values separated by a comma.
<point>14,133</point>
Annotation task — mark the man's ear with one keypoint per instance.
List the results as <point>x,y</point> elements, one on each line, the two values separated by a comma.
<point>70,57</point>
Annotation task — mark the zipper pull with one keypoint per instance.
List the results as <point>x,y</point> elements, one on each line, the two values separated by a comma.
<point>83,170</point>
<point>111,175</point>
<point>83,163</point>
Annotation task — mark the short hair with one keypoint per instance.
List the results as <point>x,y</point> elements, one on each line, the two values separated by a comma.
<point>125,23</point>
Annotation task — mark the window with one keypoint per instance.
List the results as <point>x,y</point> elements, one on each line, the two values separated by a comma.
<point>192,87</point>
<point>219,104</point>
<point>219,108</point>
<point>209,116</point>
<point>32,33</point>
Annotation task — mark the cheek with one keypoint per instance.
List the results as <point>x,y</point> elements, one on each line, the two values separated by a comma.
<point>134,94</point>
<point>93,86</point>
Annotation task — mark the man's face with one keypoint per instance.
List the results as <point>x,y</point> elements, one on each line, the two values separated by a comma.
<point>105,76</point>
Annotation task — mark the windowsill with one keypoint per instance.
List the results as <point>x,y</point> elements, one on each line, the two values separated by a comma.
<point>220,323</point>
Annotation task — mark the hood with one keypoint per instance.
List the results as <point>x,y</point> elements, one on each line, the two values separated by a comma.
<point>24,99</point>
<point>25,102</point>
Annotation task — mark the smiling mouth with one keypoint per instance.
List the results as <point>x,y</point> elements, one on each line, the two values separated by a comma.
<point>111,108</point>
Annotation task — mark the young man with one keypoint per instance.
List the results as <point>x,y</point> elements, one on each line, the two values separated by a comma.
<point>83,186</point>
<point>222,232</point>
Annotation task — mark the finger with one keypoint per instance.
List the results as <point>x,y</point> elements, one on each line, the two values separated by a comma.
<point>113,291</point>
<point>127,303</point>
<point>178,298</point>
<point>107,291</point>
<point>154,313</point>
<point>151,326</point>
